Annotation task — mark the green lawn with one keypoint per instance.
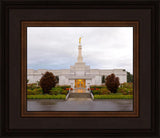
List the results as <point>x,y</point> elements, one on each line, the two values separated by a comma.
<point>113,96</point>
<point>46,96</point>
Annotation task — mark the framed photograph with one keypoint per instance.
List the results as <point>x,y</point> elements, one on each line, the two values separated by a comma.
<point>80,68</point>
<point>84,91</point>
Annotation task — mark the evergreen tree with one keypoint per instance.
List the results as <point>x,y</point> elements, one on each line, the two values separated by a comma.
<point>103,79</point>
<point>129,77</point>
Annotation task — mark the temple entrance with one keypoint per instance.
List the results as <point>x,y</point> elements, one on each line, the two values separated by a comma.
<point>80,83</point>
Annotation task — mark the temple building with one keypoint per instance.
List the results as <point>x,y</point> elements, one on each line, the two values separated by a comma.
<point>79,75</point>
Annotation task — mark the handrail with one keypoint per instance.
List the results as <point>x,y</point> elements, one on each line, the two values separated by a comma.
<point>92,96</point>
<point>68,93</point>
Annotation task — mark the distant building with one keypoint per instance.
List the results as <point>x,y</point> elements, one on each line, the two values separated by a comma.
<point>79,75</point>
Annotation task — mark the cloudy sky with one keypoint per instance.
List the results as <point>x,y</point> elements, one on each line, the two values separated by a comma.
<point>102,47</point>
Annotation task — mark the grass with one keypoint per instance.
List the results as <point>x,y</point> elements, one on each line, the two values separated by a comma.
<point>46,96</point>
<point>113,96</point>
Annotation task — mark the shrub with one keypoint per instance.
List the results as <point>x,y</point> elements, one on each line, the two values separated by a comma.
<point>105,91</point>
<point>47,81</point>
<point>101,91</point>
<point>120,90</point>
<point>67,89</point>
<point>112,83</point>
<point>125,91</point>
<point>58,87</point>
<point>127,85</point>
<point>64,86</point>
<point>56,91</point>
<point>130,92</point>
<point>35,91</point>
<point>30,92</point>
<point>64,92</point>
<point>97,86</point>
<point>32,86</point>
<point>38,91</point>
<point>96,92</point>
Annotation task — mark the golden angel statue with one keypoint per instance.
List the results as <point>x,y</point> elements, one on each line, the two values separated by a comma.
<point>80,40</point>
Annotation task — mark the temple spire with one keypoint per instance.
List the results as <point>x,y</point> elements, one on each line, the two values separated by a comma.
<point>80,58</point>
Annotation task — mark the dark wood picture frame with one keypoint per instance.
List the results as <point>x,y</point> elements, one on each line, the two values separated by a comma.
<point>16,124</point>
<point>134,24</point>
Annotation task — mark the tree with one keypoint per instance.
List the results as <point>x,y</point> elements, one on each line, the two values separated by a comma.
<point>103,79</point>
<point>47,81</point>
<point>129,77</point>
<point>112,83</point>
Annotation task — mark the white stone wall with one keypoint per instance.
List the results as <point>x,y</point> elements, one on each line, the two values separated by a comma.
<point>33,78</point>
<point>122,77</point>
<point>121,73</point>
<point>88,83</point>
<point>64,75</point>
<point>96,80</point>
<point>72,83</point>
<point>63,80</point>
<point>34,75</point>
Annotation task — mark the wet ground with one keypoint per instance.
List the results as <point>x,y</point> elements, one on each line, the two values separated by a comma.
<point>80,105</point>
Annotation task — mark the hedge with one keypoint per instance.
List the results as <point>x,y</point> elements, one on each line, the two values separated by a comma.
<point>113,96</point>
<point>63,86</point>
<point>58,91</point>
<point>97,86</point>
<point>46,96</point>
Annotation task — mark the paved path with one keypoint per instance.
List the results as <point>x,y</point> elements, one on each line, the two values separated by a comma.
<point>80,105</point>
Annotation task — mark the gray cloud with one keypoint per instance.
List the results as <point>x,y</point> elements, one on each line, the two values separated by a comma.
<point>102,47</point>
